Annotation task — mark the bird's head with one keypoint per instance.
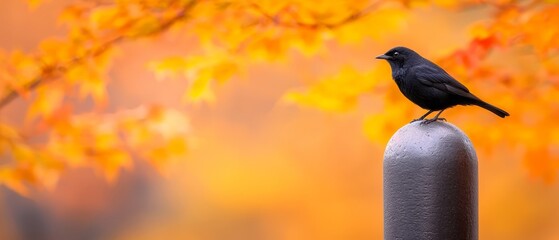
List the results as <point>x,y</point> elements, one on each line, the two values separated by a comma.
<point>398,56</point>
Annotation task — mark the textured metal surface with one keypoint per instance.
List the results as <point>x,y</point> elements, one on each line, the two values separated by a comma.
<point>430,184</point>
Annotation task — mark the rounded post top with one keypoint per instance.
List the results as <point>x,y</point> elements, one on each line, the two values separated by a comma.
<point>437,139</point>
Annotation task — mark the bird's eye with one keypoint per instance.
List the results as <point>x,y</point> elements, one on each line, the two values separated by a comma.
<point>396,54</point>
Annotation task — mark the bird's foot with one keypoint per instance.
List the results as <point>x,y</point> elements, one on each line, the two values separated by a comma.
<point>427,121</point>
<point>415,120</point>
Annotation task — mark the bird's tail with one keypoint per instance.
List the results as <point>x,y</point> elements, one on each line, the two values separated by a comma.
<point>499,112</point>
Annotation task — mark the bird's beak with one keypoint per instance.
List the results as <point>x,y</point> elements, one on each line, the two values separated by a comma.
<point>384,57</point>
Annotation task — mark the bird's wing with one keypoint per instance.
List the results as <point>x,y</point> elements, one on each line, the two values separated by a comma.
<point>436,77</point>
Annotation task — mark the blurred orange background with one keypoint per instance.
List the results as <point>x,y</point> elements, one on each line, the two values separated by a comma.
<point>258,168</point>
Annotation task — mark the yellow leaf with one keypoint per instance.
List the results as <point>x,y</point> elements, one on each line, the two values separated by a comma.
<point>224,70</point>
<point>90,80</point>
<point>54,51</point>
<point>309,42</point>
<point>320,101</point>
<point>200,88</point>
<point>337,93</point>
<point>112,161</point>
<point>169,67</point>
<point>94,86</point>
<point>49,98</point>
<point>70,150</point>
<point>27,70</point>
<point>104,141</point>
<point>108,17</point>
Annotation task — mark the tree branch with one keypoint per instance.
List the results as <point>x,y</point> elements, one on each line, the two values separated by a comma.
<point>317,25</point>
<point>51,72</point>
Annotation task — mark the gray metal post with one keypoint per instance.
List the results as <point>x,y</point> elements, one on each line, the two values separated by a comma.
<point>430,184</point>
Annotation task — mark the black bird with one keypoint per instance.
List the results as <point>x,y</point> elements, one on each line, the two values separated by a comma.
<point>428,85</point>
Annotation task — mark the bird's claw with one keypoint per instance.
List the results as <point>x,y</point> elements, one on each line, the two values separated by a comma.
<point>427,121</point>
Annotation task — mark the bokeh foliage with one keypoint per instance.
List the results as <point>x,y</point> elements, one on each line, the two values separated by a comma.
<point>227,37</point>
